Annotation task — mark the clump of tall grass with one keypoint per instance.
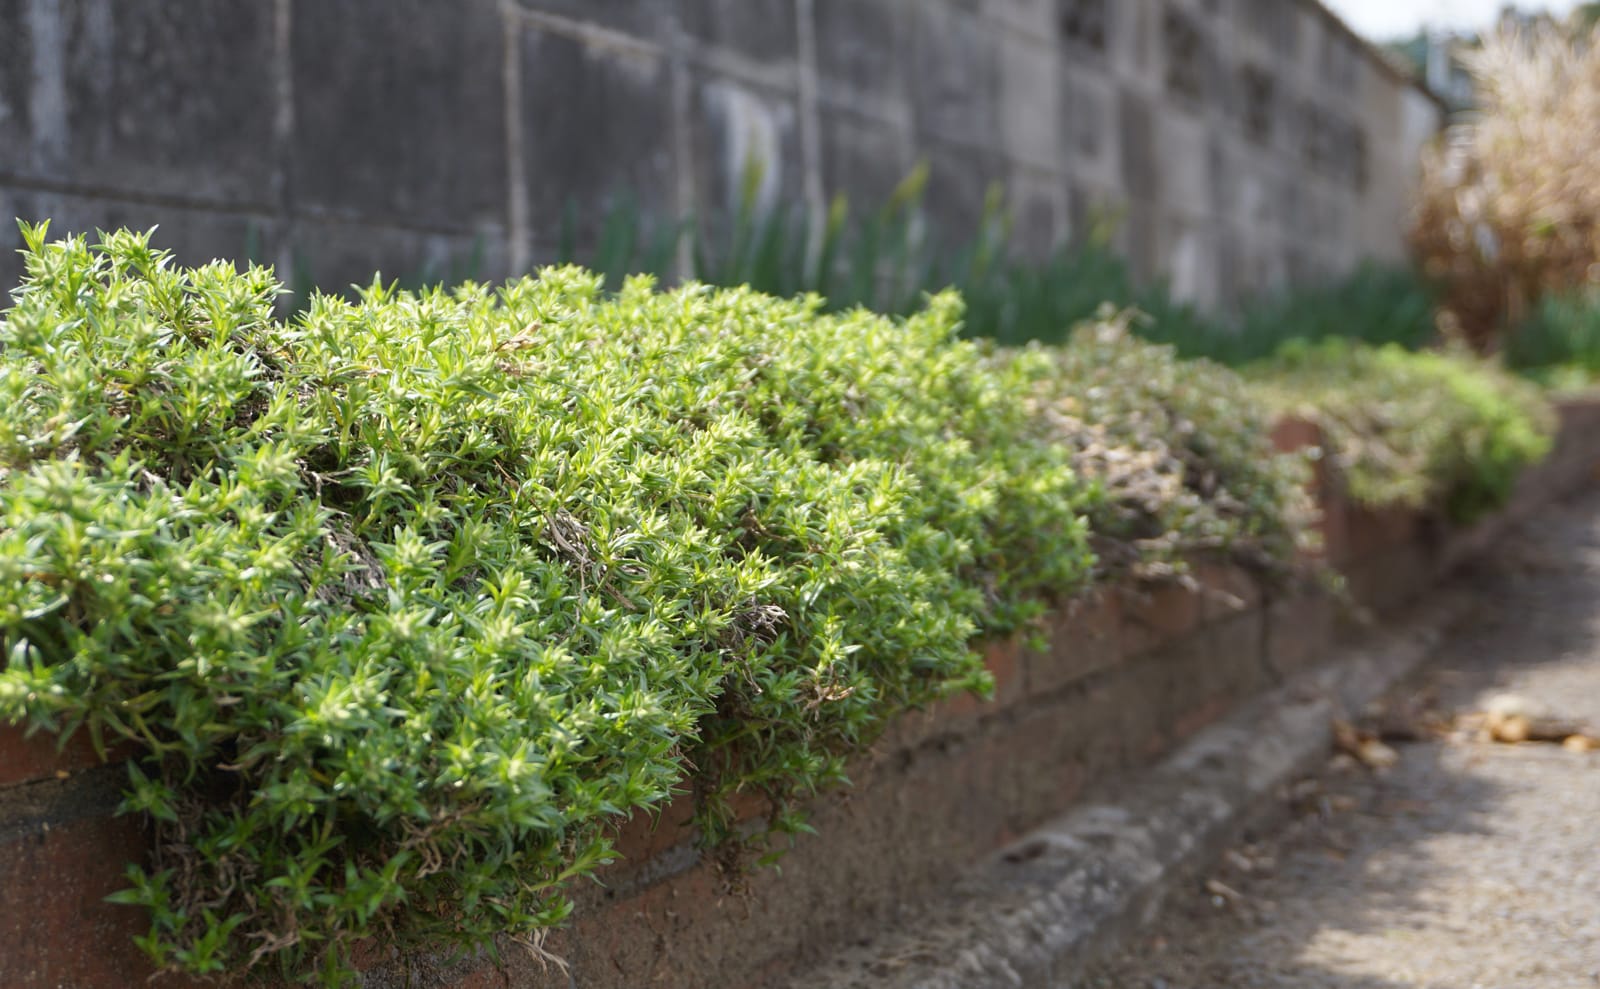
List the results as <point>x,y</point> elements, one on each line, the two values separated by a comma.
<point>888,260</point>
<point>1440,429</point>
<point>1509,208</point>
<point>1559,345</point>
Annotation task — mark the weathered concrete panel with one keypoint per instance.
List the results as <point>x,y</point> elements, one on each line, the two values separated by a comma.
<point>1038,18</point>
<point>1138,238</point>
<point>10,263</point>
<point>744,134</point>
<point>759,29</point>
<point>649,20</point>
<point>1253,192</point>
<point>863,50</point>
<point>1187,254</point>
<point>1137,143</point>
<point>1231,276</point>
<point>598,131</point>
<point>1040,212</point>
<point>863,160</point>
<point>340,255</point>
<point>1089,114</point>
<point>1182,156</point>
<point>399,112</point>
<point>1222,175</point>
<point>195,236</point>
<point>16,89</point>
<point>173,98</point>
<point>1259,117</point>
<point>959,180</point>
<point>1030,102</point>
<point>955,65</point>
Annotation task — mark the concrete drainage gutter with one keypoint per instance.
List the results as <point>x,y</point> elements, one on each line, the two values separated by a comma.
<point>1036,913</point>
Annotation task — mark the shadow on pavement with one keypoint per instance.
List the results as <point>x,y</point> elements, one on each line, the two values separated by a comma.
<point>1467,863</point>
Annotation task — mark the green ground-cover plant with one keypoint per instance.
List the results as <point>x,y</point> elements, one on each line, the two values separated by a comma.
<point>406,599</point>
<point>1433,429</point>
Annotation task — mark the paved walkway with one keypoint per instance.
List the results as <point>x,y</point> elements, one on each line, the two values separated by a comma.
<point>1468,864</point>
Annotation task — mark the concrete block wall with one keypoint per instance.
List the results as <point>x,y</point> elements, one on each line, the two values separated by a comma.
<point>1243,143</point>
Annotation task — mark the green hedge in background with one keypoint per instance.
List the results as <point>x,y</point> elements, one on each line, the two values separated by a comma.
<point>1414,429</point>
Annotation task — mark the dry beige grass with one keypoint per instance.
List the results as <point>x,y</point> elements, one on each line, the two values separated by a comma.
<point>1510,200</point>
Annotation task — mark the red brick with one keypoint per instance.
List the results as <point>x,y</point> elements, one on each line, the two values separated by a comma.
<point>1390,580</point>
<point>1199,717</point>
<point>1157,613</point>
<point>1299,633</point>
<point>1183,724</point>
<point>628,934</point>
<point>907,732</point>
<point>42,757</point>
<point>1291,434</point>
<point>1376,532</point>
<point>960,713</point>
<point>487,977</point>
<point>54,922</point>
<point>1333,526</point>
<point>749,805</point>
<point>963,707</point>
<point>1236,645</point>
<point>1085,637</point>
<point>1003,660</point>
<point>1226,590</point>
<point>646,834</point>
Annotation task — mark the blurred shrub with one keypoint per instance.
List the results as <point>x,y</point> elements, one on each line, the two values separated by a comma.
<point>1414,430</point>
<point>1180,449</point>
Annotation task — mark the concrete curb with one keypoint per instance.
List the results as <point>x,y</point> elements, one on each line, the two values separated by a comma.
<point>1035,913</point>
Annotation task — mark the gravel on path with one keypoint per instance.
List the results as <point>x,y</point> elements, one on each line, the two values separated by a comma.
<point>1467,864</point>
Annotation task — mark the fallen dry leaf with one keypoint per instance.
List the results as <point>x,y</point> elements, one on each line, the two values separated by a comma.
<point>1222,891</point>
<point>1343,762</point>
<point>1511,730</point>
<point>1239,861</point>
<point>1346,738</point>
<point>1513,719</point>
<point>1365,747</point>
<point>1377,755</point>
